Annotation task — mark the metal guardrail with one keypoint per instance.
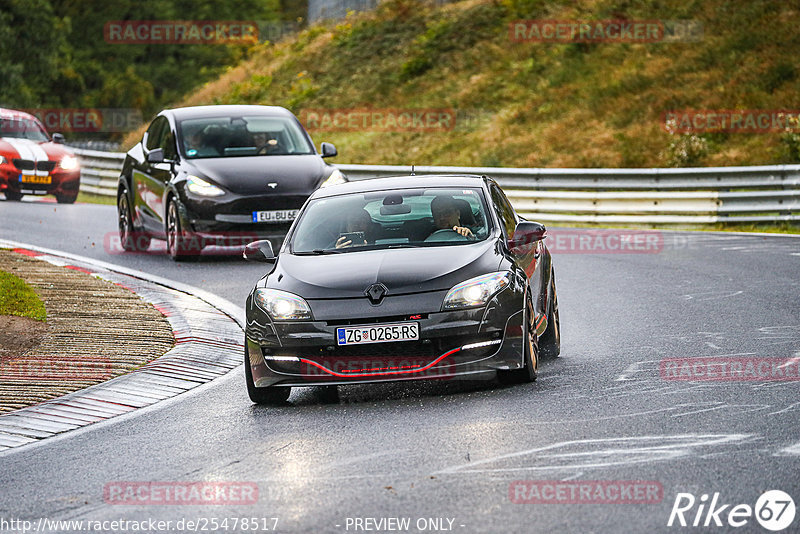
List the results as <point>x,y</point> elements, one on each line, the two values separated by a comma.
<point>642,196</point>
<point>99,171</point>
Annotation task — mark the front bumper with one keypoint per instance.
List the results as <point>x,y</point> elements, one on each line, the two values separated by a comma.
<point>229,222</point>
<point>64,183</point>
<point>466,344</point>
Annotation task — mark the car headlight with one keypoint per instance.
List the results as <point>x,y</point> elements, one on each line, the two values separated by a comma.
<point>198,186</point>
<point>335,178</point>
<point>2,160</point>
<point>282,306</point>
<point>476,291</point>
<point>68,163</point>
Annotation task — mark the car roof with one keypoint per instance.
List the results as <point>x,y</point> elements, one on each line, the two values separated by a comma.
<point>16,114</point>
<point>199,112</point>
<point>401,182</point>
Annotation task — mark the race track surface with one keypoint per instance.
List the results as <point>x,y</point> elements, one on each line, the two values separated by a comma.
<point>607,410</point>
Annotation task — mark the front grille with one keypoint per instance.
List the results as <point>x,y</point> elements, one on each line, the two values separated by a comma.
<point>380,360</point>
<point>389,319</point>
<point>402,349</point>
<point>248,205</point>
<point>46,166</point>
<point>427,348</point>
<point>23,164</point>
<point>29,165</point>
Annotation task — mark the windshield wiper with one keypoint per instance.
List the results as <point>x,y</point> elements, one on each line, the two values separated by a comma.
<point>319,252</point>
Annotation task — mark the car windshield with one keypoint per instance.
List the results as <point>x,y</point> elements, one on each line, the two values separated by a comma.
<point>224,137</point>
<point>391,219</point>
<point>21,128</point>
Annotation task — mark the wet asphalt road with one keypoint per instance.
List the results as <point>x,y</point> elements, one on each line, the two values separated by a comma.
<point>444,455</point>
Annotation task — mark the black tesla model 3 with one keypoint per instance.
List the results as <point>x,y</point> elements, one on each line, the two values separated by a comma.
<point>415,277</point>
<point>221,175</point>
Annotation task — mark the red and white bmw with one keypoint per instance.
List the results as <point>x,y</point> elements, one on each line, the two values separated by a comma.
<point>33,163</point>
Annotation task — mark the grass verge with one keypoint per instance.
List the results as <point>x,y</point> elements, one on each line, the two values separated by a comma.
<point>18,298</point>
<point>96,199</point>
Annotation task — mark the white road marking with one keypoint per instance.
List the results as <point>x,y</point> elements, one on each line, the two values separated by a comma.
<point>606,452</point>
<point>792,450</point>
<point>737,407</point>
<point>787,409</point>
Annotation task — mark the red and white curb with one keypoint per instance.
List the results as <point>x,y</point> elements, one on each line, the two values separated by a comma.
<point>208,344</point>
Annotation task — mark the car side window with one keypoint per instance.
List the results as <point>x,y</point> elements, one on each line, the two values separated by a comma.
<point>168,144</point>
<point>155,133</point>
<point>508,217</point>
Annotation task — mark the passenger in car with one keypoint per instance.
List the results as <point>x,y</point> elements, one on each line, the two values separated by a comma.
<point>265,143</point>
<point>201,144</point>
<point>358,223</point>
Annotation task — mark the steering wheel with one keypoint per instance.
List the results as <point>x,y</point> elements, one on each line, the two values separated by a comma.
<point>445,234</point>
<point>266,148</point>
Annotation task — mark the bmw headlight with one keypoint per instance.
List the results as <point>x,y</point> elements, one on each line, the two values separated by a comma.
<point>476,291</point>
<point>281,305</point>
<point>335,178</point>
<point>198,186</point>
<point>68,163</point>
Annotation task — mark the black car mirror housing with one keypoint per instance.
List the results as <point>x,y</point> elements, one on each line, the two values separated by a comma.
<point>328,150</point>
<point>59,138</point>
<point>259,251</point>
<point>156,155</point>
<point>527,232</point>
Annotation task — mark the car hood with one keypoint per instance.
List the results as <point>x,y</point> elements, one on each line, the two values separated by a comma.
<point>13,147</point>
<point>402,271</point>
<point>250,174</point>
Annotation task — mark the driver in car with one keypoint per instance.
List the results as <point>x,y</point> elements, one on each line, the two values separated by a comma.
<point>447,216</point>
<point>265,143</point>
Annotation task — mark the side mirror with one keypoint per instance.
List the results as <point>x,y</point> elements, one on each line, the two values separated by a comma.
<point>259,251</point>
<point>156,155</point>
<point>328,150</point>
<point>59,138</point>
<point>527,232</point>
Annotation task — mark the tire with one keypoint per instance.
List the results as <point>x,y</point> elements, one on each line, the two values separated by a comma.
<point>130,240</point>
<point>550,340</point>
<point>13,195</point>
<point>268,396</point>
<point>66,199</point>
<point>530,353</point>
<point>178,247</point>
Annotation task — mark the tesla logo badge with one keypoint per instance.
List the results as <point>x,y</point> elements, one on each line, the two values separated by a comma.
<point>375,293</point>
<point>273,185</point>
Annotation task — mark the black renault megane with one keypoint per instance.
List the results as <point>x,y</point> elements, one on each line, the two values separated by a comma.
<point>406,278</point>
<point>218,175</point>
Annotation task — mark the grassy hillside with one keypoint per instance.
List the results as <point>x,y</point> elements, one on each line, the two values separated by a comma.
<point>534,104</point>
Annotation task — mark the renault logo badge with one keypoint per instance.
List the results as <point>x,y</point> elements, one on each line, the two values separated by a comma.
<point>375,293</point>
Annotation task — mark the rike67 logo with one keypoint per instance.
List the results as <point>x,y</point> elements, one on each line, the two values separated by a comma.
<point>774,510</point>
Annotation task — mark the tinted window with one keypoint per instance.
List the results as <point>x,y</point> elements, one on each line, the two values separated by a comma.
<point>168,143</point>
<point>505,211</point>
<point>405,217</point>
<point>22,128</point>
<point>224,137</point>
<point>155,133</point>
